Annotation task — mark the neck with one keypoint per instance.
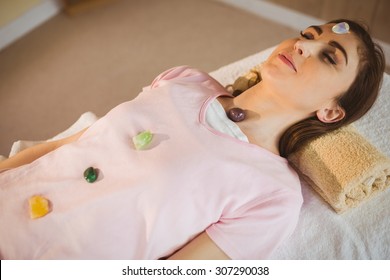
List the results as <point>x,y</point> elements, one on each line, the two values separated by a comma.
<point>266,117</point>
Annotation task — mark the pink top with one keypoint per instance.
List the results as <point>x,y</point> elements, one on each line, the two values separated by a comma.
<point>146,204</point>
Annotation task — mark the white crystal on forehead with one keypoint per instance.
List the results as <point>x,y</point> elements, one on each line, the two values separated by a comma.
<point>340,28</point>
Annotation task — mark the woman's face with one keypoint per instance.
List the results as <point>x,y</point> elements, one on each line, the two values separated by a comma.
<point>308,73</point>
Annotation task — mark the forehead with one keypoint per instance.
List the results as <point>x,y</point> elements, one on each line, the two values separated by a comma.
<point>349,41</point>
<point>325,30</point>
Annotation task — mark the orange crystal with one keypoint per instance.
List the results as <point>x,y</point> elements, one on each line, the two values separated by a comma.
<point>39,206</point>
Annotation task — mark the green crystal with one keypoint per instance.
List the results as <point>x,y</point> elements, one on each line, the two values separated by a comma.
<point>142,140</point>
<point>90,174</point>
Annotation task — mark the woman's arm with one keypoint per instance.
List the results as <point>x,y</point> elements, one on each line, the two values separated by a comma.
<point>30,154</point>
<point>200,248</point>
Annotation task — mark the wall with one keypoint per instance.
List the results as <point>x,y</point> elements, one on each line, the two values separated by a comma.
<point>18,17</point>
<point>13,9</point>
<point>373,12</point>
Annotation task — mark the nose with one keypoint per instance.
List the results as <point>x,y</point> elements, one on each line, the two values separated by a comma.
<point>306,48</point>
<point>299,48</point>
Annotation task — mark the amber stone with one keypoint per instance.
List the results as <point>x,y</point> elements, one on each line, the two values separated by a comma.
<point>91,174</point>
<point>39,206</point>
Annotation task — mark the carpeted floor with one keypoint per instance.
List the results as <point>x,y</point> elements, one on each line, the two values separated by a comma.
<point>102,57</point>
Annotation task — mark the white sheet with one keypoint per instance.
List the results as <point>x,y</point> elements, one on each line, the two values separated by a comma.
<point>361,233</point>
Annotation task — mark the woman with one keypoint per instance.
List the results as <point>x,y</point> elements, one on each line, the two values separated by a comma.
<point>204,187</point>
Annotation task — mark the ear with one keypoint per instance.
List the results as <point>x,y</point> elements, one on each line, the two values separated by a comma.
<point>331,115</point>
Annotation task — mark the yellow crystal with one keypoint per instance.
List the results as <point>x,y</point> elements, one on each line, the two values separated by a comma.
<point>39,206</point>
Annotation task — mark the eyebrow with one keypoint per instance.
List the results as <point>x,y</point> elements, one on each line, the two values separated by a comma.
<point>332,43</point>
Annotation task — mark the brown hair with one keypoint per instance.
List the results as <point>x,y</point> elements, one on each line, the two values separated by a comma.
<point>356,101</point>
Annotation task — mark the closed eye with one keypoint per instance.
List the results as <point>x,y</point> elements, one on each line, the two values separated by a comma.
<point>310,36</point>
<point>307,35</point>
<point>329,58</point>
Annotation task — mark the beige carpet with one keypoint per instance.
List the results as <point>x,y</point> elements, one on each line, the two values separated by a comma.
<point>104,56</point>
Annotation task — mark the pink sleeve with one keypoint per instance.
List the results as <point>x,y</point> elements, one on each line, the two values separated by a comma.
<point>255,231</point>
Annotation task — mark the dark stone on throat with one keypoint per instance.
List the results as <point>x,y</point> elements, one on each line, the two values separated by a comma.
<point>236,114</point>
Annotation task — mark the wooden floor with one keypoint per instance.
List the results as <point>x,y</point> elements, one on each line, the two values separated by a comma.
<point>105,55</point>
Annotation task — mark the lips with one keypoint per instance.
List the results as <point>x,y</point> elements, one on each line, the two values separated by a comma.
<point>288,60</point>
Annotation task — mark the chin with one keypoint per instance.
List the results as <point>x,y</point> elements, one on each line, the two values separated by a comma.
<point>273,73</point>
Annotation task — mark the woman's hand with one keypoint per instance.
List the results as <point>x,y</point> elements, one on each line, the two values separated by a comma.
<point>30,154</point>
<point>200,248</point>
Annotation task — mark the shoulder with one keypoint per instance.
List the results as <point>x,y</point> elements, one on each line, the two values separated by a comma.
<point>273,171</point>
<point>185,74</point>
